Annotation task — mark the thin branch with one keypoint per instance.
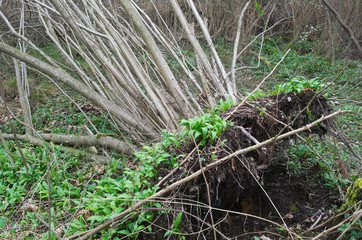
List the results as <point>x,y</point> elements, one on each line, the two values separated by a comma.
<point>236,44</point>
<point>257,87</point>
<point>213,50</point>
<point>46,224</point>
<point>49,203</point>
<point>349,227</point>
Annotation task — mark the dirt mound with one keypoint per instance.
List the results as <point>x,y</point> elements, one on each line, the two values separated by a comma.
<point>236,185</point>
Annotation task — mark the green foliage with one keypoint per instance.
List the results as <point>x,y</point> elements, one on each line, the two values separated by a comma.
<point>353,232</point>
<point>78,185</point>
<point>61,116</point>
<point>222,106</point>
<point>175,231</point>
<point>258,8</point>
<point>72,180</point>
<point>297,84</point>
<point>17,184</point>
<point>207,127</point>
<point>203,129</point>
<point>257,94</point>
<point>302,159</point>
<point>302,60</point>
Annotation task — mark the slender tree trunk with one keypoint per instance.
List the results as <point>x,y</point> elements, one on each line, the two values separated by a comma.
<point>220,66</point>
<point>23,90</point>
<point>236,45</point>
<point>61,75</point>
<point>198,49</point>
<point>171,83</point>
<point>22,77</point>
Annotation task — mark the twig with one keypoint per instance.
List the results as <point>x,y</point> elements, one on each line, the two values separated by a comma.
<point>248,134</point>
<point>339,135</point>
<point>46,224</point>
<point>176,168</point>
<point>49,202</point>
<point>317,221</point>
<point>257,87</point>
<point>7,150</point>
<point>354,221</point>
<point>89,233</point>
<point>329,220</point>
<point>334,228</point>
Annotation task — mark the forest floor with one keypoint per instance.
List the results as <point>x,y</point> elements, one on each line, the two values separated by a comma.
<point>304,184</point>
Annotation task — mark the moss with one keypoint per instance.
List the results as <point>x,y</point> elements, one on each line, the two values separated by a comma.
<point>353,195</point>
<point>293,208</point>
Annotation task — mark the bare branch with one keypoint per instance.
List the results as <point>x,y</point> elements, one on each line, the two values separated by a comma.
<point>236,44</point>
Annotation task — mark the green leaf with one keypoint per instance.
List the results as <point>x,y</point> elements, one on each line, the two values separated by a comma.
<point>125,232</point>
<point>174,140</point>
<point>2,222</point>
<point>196,134</point>
<point>213,135</point>
<point>186,123</point>
<point>204,132</point>
<point>166,234</point>
<point>177,220</point>
<point>95,218</point>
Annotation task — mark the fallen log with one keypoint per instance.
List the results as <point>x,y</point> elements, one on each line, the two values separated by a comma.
<point>78,141</point>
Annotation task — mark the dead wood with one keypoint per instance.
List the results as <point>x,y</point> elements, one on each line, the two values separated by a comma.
<point>78,141</point>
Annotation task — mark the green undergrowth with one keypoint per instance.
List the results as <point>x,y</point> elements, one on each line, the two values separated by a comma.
<point>321,162</point>
<point>325,156</point>
<point>296,85</point>
<point>88,193</point>
<point>61,116</point>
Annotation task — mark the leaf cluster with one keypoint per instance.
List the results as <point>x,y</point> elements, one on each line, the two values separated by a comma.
<point>298,84</point>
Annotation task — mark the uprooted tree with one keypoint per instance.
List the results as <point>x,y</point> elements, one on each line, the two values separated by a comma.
<point>125,70</point>
<point>125,67</point>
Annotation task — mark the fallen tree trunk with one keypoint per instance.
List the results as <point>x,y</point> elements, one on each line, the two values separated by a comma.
<point>168,189</point>
<point>77,141</point>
